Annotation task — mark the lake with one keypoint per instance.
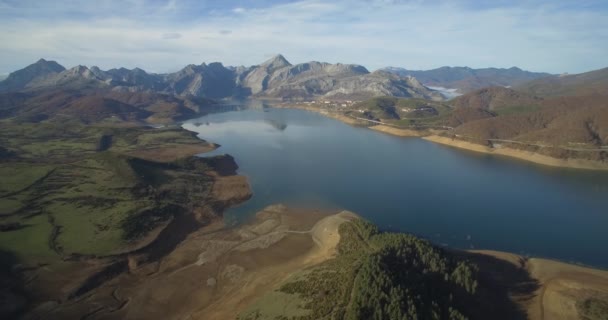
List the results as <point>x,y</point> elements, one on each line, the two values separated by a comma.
<point>452,197</point>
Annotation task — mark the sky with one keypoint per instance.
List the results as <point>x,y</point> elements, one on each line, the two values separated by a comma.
<point>165,35</point>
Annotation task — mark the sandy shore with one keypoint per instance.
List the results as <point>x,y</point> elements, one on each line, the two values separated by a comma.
<point>329,114</point>
<point>399,132</point>
<point>520,154</point>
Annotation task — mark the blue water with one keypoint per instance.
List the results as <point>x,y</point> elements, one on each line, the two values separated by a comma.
<point>452,197</point>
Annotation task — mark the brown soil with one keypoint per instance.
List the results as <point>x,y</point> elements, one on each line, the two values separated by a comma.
<point>168,154</point>
<point>230,189</point>
<point>558,286</point>
<point>215,272</point>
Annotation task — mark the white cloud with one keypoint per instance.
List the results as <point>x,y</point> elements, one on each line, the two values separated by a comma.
<point>412,34</point>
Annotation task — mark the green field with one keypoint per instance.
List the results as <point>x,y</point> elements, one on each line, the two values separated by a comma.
<point>61,193</point>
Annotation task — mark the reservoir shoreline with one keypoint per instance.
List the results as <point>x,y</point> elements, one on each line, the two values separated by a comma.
<point>313,143</point>
<point>519,154</point>
<point>431,135</point>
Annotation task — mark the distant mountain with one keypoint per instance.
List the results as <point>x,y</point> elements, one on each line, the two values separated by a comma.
<point>593,82</point>
<point>21,78</point>
<point>211,81</point>
<point>494,98</point>
<point>123,77</point>
<point>78,77</point>
<point>466,79</point>
<point>275,78</point>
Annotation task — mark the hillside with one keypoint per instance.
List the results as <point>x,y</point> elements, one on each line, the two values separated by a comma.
<point>495,99</point>
<point>563,131</point>
<point>588,83</point>
<point>99,105</point>
<point>401,110</point>
<point>377,275</point>
<point>76,200</point>
<point>568,125</point>
<point>466,79</point>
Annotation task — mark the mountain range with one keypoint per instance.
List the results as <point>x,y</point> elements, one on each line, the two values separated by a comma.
<point>275,78</point>
<point>466,79</point>
<point>588,83</point>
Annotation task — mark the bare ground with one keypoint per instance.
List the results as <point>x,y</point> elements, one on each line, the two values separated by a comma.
<point>168,154</point>
<point>520,154</point>
<point>215,272</point>
<point>559,286</point>
<point>398,132</point>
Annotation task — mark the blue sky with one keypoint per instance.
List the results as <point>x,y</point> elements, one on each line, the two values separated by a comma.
<point>165,35</point>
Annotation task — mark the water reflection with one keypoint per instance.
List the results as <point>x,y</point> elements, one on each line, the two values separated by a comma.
<point>279,125</point>
<point>458,198</point>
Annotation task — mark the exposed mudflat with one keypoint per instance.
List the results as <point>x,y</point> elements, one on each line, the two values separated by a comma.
<point>559,286</point>
<point>215,272</point>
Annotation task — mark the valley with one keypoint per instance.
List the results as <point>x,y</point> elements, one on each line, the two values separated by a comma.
<point>303,159</point>
<point>121,196</point>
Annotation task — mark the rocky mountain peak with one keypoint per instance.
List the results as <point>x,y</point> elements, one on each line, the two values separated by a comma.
<point>81,70</point>
<point>19,79</point>
<point>276,62</point>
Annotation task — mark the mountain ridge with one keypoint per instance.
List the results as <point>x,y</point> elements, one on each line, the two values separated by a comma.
<point>467,79</point>
<point>19,78</point>
<point>275,78</point>
<point>581,84</point>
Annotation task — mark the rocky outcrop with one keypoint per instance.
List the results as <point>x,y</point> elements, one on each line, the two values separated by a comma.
<point>277,78</point>
<point>210,81</point>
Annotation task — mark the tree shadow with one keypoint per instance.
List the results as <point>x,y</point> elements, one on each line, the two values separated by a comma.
<point>13,299</point>
<point>502,288</point>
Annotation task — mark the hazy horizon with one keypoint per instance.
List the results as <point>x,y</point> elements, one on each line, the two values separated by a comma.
<point>164,35</point>
<point>4,75</point>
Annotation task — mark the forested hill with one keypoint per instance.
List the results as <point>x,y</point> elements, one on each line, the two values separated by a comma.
<point>382,275</point>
